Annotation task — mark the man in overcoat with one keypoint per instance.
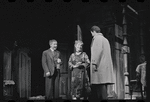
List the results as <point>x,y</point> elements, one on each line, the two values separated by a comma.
<point>101,67</point>
<point>51,63</point>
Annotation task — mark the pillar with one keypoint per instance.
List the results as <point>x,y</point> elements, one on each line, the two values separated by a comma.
<point>125,51</point>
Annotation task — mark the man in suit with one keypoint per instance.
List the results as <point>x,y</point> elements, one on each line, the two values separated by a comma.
<point>101,67</point>
<point>141,73</point>
<point>51,63</point>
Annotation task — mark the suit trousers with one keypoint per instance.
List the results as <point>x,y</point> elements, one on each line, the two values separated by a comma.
<point>99,91</point>
<point>52,86</point>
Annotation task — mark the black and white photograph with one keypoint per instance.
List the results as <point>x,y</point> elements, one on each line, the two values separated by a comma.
<point>74,50</point>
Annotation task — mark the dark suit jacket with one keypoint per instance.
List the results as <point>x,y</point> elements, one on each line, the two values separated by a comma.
<point>49,61</point>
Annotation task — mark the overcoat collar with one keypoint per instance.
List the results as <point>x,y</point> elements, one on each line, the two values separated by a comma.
<point>97,35</point>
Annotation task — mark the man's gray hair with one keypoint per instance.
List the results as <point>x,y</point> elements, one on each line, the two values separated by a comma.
<point>51,41</point>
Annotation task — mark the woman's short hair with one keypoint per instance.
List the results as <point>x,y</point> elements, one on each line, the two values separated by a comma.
<point>96,29</point>
<point>78,42</point>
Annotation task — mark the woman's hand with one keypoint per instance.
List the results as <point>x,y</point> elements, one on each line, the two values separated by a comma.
<point>75,66</point>
<point>79,64</point>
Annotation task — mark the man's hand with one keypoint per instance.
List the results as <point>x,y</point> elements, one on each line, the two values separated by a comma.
<point>48,74</point>
<point>58,60</point>
<point>94,68</point>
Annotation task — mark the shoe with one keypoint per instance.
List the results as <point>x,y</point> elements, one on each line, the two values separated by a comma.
<point>81,98</point>
<point>74,98</point>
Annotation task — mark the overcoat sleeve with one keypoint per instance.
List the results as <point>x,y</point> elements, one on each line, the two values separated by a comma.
<point>97,49</point>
